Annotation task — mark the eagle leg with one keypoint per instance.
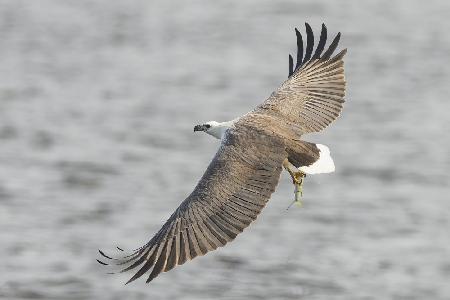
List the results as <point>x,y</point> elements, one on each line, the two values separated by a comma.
<point>297,180</point>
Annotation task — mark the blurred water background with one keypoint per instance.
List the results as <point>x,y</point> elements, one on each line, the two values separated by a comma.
<point>98,100</point>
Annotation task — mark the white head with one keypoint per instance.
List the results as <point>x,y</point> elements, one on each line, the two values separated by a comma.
<point>214,128</point>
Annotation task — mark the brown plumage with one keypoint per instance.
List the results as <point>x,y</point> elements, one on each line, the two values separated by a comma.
<point>245,171</point>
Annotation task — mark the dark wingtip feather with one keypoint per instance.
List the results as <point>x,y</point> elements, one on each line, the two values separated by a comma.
<point>322,42</point>
<point>118,248</point>
<point>104,255</point>
<point>136,276</point>
<point>149,263</point>
<point>102,263</point>
<point>299,49</point>
<point>332,47</point>
<point>153,275</point>
<point>309,43</point>
<point>133,265</point>
<point>291,65</point>
<point>339,56</point>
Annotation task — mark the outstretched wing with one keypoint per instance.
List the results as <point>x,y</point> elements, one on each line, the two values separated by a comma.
<point>313,95</point>
<point>230,195</point>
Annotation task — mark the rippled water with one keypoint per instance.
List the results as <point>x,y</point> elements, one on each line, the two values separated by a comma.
<point>97,104</point>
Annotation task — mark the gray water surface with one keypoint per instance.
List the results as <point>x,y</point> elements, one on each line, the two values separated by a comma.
<point>98,100</point>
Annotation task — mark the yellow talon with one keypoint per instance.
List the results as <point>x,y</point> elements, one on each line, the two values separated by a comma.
<point>297,178</point>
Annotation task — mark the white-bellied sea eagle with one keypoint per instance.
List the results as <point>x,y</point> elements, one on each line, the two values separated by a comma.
<point>246,169</point>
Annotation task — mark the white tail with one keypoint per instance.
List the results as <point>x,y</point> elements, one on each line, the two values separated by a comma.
<point>324,164</point>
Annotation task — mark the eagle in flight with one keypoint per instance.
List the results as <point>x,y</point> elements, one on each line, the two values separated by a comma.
<point>246,169</point>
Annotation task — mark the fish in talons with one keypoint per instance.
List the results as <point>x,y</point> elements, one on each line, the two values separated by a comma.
<point>297,179</point>
<point>298,189</point>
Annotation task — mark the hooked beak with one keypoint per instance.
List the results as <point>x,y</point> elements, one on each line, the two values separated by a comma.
<point>200,128</point>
